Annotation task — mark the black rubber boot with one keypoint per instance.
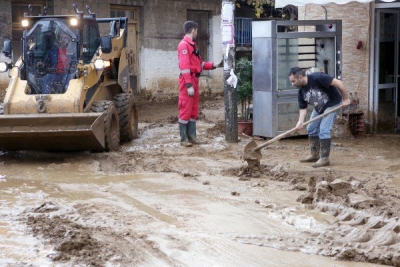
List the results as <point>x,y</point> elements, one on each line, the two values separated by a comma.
<point>192,134</point>
<point>183,129</point>
<point>314,147</point>
<point>325,151</point>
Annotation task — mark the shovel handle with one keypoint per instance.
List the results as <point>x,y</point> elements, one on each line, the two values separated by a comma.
<point>276,138</point>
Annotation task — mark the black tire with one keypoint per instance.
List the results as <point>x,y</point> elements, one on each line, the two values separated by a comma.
<point>111,123</point>
<point>1,108</point>
<point>128,116</point>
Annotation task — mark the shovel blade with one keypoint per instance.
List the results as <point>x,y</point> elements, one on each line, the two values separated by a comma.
<point>250,153</point>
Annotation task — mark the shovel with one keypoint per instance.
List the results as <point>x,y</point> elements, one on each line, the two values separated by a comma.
<point>252,152</point>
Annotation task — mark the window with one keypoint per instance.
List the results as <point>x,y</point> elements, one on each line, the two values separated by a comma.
<point>91,41</point>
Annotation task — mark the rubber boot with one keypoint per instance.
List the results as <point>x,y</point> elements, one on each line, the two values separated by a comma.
<point>192,134</point>
<point>314,147</point>
<point>325,151</point>
<point>183,129</point>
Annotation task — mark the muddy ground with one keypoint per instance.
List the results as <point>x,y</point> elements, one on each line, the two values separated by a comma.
<point>155,203</point>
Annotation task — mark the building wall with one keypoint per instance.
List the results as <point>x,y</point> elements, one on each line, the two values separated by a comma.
<point>159,35</point>
<point>355,27</point>
<point>162,32</point>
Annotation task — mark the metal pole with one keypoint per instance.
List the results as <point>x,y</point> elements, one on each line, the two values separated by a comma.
<point>227,26</point>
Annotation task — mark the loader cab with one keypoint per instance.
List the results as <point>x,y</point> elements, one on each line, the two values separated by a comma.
<point>50,50</point>
<point>53,48</point>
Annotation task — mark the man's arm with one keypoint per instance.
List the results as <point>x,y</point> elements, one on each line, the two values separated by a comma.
<point>340,86</point>
<point>302,117</point>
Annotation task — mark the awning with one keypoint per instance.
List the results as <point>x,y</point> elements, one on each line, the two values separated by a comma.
<point>283,3</point>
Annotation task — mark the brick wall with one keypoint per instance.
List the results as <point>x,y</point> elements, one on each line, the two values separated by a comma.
<point>355,27</point>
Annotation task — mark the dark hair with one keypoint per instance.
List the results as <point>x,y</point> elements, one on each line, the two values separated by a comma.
<point>296,72</point>
<point>188,26</point>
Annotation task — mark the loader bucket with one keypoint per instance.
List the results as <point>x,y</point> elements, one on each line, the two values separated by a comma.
<point>53,132</point>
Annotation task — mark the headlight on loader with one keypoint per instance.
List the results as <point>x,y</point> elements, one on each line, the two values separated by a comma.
<point>73,22</point>
<point>3,66</point>
<point>25,23</point>
<point>100,64</point>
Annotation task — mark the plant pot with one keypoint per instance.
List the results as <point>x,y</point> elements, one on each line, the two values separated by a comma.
<point>245,127</point>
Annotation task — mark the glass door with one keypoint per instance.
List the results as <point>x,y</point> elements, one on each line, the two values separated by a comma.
<point>386,70</point>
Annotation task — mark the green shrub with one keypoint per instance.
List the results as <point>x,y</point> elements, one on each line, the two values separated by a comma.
<point>244,86</point>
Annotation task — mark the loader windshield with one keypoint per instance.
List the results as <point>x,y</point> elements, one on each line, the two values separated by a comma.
<point>50,56</point>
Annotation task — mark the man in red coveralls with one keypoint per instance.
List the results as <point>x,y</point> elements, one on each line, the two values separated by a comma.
<point>190,64</point>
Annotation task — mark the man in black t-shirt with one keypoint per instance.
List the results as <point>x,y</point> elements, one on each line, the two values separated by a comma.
<point>323,92</point>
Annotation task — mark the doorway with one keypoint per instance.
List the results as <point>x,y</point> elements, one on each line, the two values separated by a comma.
<point>203,35</point>
<point>386,76</point>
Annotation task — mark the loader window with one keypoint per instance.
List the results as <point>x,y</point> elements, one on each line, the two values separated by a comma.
<point>91,42</point>
<point>50,57</point>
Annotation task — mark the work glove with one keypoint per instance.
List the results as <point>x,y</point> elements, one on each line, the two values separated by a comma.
<point>190,91</point>
<point>218,65</point>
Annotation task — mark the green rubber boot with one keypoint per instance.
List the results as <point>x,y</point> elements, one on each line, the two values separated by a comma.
<point>314,147</point>
<point>183,129</point>
<point>325,151</point>
<point>192,134</point>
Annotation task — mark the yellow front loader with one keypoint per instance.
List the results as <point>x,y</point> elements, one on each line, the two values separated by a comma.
<point>70,88</point>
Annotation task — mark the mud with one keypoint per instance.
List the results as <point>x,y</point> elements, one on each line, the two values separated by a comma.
<point>154,203</point>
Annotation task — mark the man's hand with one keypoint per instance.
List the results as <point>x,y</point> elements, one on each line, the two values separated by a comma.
<point>40,64</point>
<point>190,91</point>
<point>218,65</point>
<point>345,102</point>
<point>299,125</point>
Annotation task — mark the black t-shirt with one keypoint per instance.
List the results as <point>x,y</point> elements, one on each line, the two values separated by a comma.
<point>319,93</point>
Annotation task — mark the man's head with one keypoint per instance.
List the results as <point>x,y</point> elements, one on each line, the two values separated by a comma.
<point>190,28</point>
<point>297,77</point>
<point>63,39</point>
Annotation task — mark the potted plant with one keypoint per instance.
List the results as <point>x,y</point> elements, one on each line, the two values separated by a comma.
<point>244,95</point>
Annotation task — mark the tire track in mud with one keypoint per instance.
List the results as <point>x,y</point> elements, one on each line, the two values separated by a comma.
<point>375,241</point>
<point>352,236</point>
<point>94,235</point>
<point>360,228</point>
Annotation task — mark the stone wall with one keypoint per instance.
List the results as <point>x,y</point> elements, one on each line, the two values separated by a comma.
<point>355,27</point>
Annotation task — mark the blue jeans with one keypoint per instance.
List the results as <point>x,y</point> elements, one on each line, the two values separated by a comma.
<point>322,127</point>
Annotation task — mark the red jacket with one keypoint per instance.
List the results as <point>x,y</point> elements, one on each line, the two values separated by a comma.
<point>190,61</point>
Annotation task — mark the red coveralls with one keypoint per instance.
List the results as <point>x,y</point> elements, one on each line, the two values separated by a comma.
<point>190,65</point>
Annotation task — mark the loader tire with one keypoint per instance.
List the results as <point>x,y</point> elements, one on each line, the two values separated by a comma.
<point>1,109</point>
<point>111,123</point>
<point>128,116</point>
